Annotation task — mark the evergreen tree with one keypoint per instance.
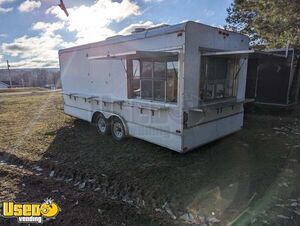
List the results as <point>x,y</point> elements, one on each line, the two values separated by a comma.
<point>269,23</point>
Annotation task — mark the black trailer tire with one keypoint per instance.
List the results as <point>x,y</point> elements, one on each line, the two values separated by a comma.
<point>103,125</point>
<point>117,129</point>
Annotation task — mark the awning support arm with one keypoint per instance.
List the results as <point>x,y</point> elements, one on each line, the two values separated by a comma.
<point>237,73</point>
<point>125,69</point>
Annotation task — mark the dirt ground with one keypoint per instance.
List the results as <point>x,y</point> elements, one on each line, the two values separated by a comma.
<point>249,178</point>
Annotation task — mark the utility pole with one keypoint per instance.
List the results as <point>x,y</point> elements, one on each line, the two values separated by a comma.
<point>8,68</point>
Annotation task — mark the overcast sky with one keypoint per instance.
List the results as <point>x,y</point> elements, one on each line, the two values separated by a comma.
<point>32,31</point>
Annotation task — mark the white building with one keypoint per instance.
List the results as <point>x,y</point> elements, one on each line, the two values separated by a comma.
<point>178,86</point>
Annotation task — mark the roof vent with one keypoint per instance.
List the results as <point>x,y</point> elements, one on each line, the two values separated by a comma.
<point>142,29</point>
<point>139,29</point>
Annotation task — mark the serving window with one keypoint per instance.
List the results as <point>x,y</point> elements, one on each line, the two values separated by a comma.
<point>219,77</point>
<point>153,79</point>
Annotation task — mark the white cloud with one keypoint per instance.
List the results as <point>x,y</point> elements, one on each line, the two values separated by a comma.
<point>29,5</point>
<point>151,1</point>
<point>4,9</point>
<point>91,23</point>
<point>48,27</point>
<point>42,50</point>
<point>132,27</point>
<point>38,51</point>
<point>217,26</point>
<point>5,1</point>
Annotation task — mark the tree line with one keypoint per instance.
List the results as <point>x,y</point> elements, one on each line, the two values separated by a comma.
<point>32,77</point>
<point>268,23</point>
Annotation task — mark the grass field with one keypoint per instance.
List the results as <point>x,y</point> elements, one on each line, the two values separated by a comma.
<point>250,177</point>
<point>19,90</point>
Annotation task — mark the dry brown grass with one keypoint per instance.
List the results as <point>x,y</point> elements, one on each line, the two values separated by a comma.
<point>26,123</point>
<point>220,177</point>
<point>26,89</point>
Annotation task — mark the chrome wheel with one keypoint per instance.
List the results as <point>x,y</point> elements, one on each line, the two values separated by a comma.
<point>103,125</point>
<point>118,130</point>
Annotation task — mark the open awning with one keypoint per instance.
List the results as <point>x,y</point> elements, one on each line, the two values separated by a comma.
<point>136,55</point>
<point>243,54</point>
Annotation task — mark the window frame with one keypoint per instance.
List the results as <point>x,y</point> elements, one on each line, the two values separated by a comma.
<point>230,89</point>
<point>153,79</point>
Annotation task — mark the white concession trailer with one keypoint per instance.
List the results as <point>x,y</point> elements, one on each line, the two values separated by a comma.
<point>178,86</point>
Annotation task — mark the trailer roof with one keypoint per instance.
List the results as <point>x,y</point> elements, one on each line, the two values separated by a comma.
<point>156,31</point>
<point>135,55</point>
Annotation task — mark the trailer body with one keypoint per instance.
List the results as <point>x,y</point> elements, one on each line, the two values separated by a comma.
<point>179,86</point>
